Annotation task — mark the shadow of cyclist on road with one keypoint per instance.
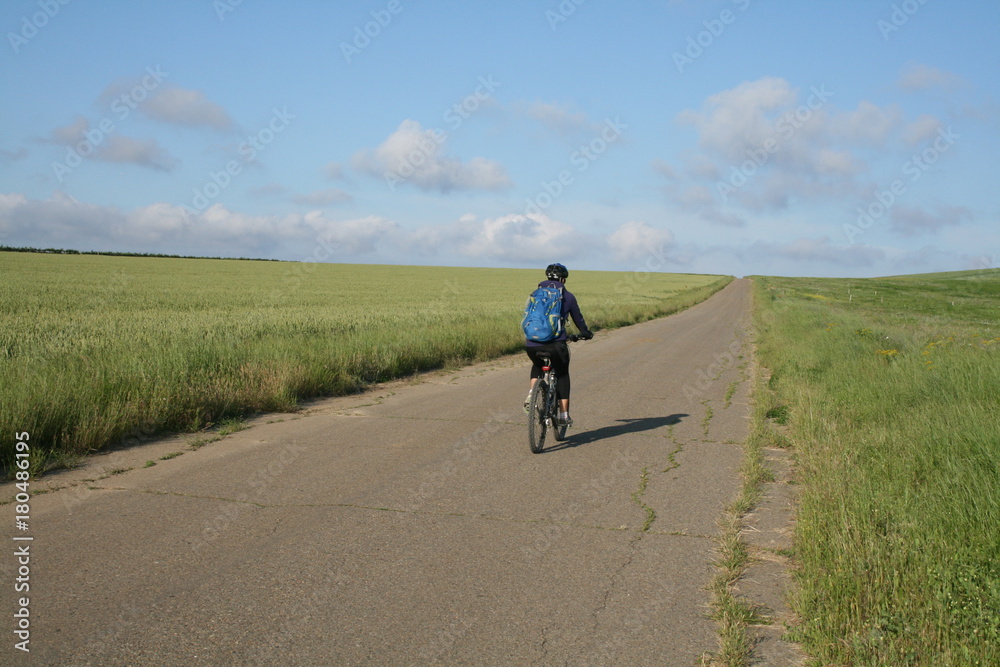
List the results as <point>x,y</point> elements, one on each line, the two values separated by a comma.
<point>622,427</point>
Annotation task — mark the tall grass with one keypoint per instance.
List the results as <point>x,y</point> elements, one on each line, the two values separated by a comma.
<point>892,390</point>
<point>94,350</point>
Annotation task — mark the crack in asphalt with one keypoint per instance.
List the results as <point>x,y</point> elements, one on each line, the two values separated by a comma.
<point>372,508</point>
<point>545,641</point>
<point>637,499</point>
<point>614,579</point>
<point>633,547</point>
<point>671,457</point>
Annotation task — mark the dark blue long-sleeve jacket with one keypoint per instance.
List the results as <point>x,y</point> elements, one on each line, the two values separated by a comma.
<point>569,308</point>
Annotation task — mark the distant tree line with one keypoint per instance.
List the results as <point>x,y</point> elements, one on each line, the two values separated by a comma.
<point>70,251</point>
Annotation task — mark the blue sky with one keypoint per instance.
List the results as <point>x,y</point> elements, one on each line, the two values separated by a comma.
<point>817,138</point>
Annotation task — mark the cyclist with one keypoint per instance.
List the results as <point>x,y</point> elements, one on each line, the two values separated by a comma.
<point>557,350</point>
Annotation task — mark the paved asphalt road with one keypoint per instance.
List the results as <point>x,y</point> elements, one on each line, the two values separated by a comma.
<point>411,524</point>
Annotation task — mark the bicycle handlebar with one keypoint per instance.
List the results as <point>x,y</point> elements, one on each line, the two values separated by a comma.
<point>572,338</point>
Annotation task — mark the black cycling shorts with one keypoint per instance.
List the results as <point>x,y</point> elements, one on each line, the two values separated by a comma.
<point>558,353</point>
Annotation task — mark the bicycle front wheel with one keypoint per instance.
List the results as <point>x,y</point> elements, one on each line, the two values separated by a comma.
<point>560,432</point>
<point>537,417</point>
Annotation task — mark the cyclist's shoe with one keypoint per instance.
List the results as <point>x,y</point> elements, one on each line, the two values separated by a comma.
<point>527,404</point>
<point>564,420</point>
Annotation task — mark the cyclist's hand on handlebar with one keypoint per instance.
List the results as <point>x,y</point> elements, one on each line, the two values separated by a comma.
<point>586,335</point>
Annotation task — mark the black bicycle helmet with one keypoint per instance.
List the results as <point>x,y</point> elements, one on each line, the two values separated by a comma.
<point>556,272</point>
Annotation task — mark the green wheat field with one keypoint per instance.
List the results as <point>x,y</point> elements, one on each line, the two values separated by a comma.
<point>97,350</point>
<point>888,391</point>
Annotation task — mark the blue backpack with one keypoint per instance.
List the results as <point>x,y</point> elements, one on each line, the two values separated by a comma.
<point>542,321</point>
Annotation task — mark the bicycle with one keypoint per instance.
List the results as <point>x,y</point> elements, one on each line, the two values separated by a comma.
<point>543,407</point>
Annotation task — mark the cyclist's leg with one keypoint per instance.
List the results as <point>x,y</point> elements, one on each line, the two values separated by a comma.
<point>562,390</point>
<point>560,364</point>
<point>534,353</point>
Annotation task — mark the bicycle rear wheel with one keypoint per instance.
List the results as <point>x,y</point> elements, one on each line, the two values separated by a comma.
<point>537,416</point>
<point>559,430</point>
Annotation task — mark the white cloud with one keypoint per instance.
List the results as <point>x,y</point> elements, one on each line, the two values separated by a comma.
<point>217,223</point>
<point>429,240</point>
<point>181,106</point>
<point>356,236</point>
<point>152,223</point>
<point>919,77</point>
<point>913,220</point>
<point>516,238</point>
<point>334,171</point>
<point>143,152</point>
<point>742,118</point>
<point>931,258</point>
<point>62,221</point>
<point>559,118</point>
<point>829,161</point>
<point>922,129</point>
<point>868,126</point>
<point>765,145</point>
<point>699,199</point>
<point>166,103</point>
<point>695,197</point>
<point>806,251</point>
<point>634,241</point>
<point>724,218</point>
<point>8,205</point>
<point>414,155</point>
<point>664,169</point>
<point>701,166</point>
<point>11,156</point>
<point>97,144</point>
<point>67,135</point>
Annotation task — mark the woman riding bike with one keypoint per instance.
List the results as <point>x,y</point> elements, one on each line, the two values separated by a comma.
<point>557,350</point>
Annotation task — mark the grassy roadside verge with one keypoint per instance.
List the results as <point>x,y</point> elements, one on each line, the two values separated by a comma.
<point>734,611</point>
<point>98,351</point>
<point>891,389</point>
